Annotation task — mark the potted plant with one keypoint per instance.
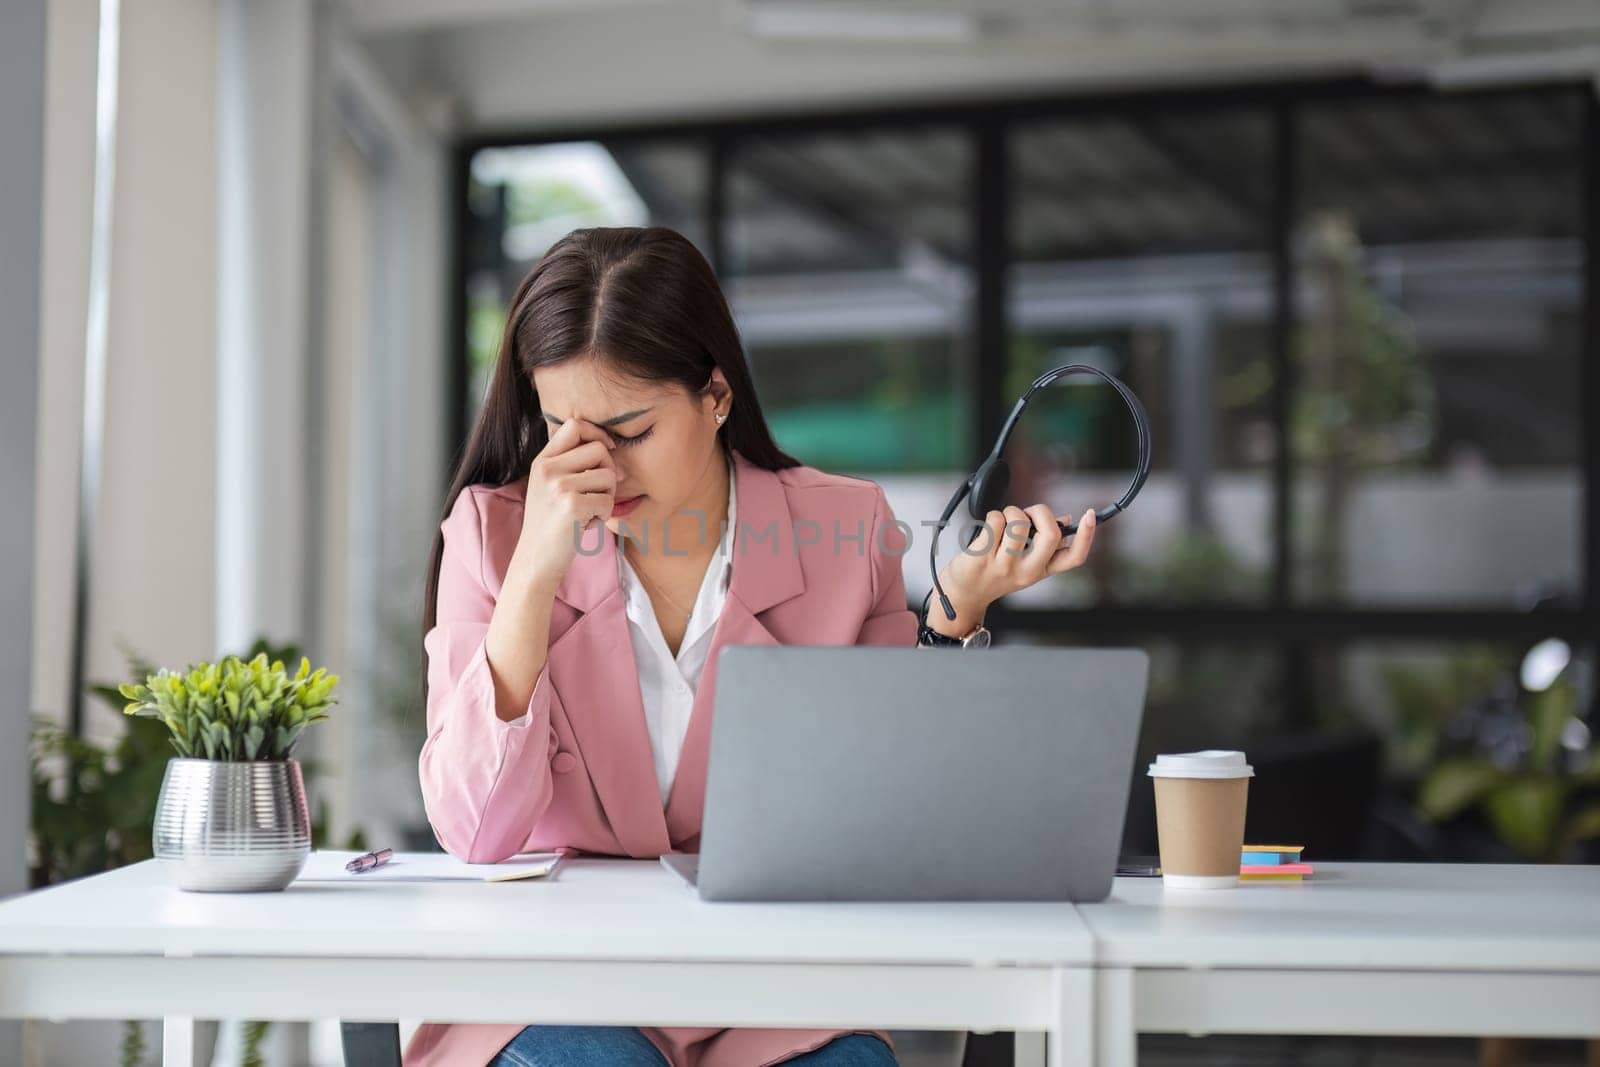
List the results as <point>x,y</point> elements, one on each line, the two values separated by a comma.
<point>232,815</point>
<point>1522,763</point>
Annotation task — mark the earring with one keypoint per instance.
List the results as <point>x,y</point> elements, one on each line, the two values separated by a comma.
<point>721,419</point>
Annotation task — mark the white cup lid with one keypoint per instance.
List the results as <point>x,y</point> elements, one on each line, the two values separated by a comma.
<point>1212,763</point>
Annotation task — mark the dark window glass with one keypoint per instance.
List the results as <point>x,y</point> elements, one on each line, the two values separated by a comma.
<point>1140,247</point>
<point>1436,423</point>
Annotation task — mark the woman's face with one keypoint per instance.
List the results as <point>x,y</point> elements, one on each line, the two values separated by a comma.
<point>667,450</point>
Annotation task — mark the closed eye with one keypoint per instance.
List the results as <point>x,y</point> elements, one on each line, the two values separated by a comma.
<point>635,439</point>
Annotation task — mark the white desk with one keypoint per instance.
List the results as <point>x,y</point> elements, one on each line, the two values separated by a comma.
<point>1359,949</point>
<point>605,942</point>
<point>1378,949</point>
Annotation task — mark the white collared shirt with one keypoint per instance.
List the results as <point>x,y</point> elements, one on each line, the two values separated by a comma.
<point>668,683</point>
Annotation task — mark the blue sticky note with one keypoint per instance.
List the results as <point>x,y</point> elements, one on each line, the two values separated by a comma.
<point>1268,858</point>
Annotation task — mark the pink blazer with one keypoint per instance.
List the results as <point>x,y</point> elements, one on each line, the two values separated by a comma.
<point>579,773</point>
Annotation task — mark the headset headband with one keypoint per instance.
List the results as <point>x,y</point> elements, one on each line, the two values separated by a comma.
<point>985,490</point>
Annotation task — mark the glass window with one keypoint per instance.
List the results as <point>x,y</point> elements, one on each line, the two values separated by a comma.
<point>1436,421</point>
<point>1140,247</point>
<point>850,275</point>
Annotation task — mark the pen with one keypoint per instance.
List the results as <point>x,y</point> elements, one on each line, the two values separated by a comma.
<point>369,860</point>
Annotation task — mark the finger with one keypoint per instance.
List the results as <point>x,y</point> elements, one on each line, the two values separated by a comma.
<point>575,432</point>
<point>985,539</point>
<point>597,480</point>
<point>595,505</point>
<point>590,455</point>
<point>1016,543</point>
<point>561,438</point>
<point>1074,555</point>
<point>1046,540</point>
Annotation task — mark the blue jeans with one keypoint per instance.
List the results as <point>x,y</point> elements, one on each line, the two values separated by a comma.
<point>626,1046</point>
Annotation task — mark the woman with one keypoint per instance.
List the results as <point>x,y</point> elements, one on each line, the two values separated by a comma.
<point>572,662</point>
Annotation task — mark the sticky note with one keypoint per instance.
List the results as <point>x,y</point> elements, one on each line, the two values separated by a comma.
<point>1274,871</point>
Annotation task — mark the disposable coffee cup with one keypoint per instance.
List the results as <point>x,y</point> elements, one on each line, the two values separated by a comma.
<point>1200,806</point>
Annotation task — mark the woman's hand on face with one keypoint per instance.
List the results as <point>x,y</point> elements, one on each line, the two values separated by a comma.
<point>571,482</point>
<point>1000,559</point>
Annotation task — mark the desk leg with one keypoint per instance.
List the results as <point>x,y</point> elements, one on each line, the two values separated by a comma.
<point>1071,1041</point>
<point>1116,1034</point>
<point>177,1041</point>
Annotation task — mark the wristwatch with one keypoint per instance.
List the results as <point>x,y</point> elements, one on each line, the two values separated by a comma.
<point>928,637</point>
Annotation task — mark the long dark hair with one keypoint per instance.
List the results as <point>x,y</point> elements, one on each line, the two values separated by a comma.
<point>645,302</point>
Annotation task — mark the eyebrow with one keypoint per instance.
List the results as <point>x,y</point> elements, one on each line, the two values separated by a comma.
<point>609,422</point>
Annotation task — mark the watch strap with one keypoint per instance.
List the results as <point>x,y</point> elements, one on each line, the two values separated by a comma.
<point>928,637</point>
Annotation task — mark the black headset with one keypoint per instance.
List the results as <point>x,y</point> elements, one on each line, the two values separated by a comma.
<point>986,489</point>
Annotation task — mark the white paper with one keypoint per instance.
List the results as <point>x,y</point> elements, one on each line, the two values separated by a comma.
<point>327,865</point>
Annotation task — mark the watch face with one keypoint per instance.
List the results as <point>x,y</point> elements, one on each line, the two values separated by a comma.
<point>978,639</point>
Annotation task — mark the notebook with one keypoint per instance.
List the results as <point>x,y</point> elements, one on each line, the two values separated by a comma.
<point>327,865</point>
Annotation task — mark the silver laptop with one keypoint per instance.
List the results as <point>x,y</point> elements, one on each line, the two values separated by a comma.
<point>875,773</point>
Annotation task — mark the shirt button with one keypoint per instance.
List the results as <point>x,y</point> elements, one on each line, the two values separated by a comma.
<point>683,687</point>
<point>563,762</point>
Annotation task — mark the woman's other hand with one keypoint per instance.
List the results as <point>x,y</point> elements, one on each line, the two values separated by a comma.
<point>1001,559</point>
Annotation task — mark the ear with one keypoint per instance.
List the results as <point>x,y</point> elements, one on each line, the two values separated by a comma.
<point>717,388</point>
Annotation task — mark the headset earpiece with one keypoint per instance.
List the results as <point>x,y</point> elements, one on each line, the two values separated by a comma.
<point>989,485</point>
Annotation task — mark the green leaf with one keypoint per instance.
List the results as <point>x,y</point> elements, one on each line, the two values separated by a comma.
<point>1549,713</point>
<point>1525,812</point>
<point>250,1053</point>
<point>286,738</point>
<point>232,709</point>
<point>1583,825</point>
<point>1455,785</point>
<point>133,1046</point>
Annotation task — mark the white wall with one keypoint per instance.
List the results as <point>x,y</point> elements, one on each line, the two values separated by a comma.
<point>22,110</point>
<point>152,581</point>
<point>64,309</point>
<point>263,342</point>
<point>383,253</point>
<point>155,543</point>
<point>346,241</point>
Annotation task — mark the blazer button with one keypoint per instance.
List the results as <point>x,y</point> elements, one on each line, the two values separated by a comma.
<point>563,762</point>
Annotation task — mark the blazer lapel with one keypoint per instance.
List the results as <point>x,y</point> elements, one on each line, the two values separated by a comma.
<point>766,572</point>
<point>593,660</point>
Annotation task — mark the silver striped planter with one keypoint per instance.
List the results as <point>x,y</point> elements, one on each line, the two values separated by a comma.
<point>232,827</point>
